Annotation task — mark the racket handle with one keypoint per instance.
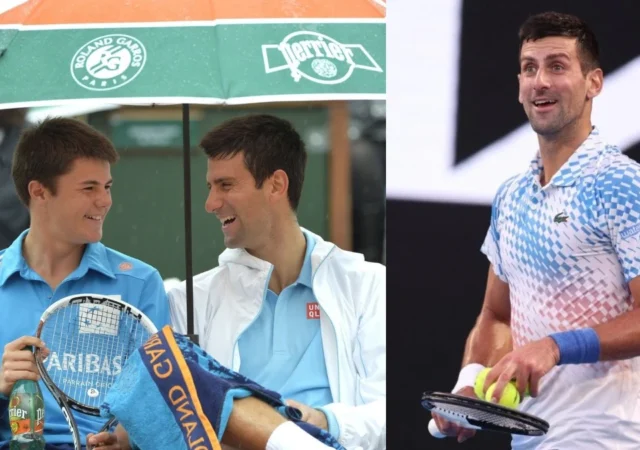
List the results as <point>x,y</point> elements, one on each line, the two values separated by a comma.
<point>108,424</point>
<point>435,432</point>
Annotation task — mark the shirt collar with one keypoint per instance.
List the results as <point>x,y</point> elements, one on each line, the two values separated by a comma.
<point>12,261</point>
<point>573,169</point>
<point>306,273</point>
<point>95,258</point>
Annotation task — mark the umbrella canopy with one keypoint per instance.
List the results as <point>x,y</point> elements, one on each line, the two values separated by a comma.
<point>192,51</point>
<point>126,52</point>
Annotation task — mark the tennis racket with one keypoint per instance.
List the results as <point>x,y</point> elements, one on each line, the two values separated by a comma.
<point>480,415</point>
<point>90,337</point>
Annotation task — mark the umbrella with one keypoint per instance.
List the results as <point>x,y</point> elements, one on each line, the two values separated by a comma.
<point>128,52</point>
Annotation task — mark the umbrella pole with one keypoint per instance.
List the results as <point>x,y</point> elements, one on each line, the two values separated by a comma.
<point>187,220</point>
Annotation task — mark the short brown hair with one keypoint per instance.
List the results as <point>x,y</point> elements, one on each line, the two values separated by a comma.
<point>553,24</point>
<point>268,144</point>
<point>48,150</point>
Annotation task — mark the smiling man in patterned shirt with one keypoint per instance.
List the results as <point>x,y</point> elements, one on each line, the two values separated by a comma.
<point>560,312</point>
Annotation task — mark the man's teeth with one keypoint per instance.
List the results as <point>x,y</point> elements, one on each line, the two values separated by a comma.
<point>226,220</point>
<point>94,217</point>
<point>544,102</point>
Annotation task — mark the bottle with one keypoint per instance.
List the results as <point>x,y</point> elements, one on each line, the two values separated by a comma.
<point>26,416</point>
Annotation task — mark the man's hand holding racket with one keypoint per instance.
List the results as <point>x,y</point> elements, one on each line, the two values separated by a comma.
<point>19,363</point>
<point>460,414</point>
<point>105,441</point>
<point>453,429</point>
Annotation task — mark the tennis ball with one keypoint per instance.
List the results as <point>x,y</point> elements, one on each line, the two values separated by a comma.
<point>478,387</point>
<point>510,395</point>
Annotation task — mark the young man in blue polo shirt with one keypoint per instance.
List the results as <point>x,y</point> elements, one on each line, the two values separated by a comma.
<point>61,170</point>
<point>285,308</point>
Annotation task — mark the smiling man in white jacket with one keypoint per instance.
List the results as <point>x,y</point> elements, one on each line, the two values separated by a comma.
<point>284,307</point>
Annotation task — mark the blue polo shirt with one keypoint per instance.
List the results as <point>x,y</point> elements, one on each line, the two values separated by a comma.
<point>282,348</point>
<point>24,296</point>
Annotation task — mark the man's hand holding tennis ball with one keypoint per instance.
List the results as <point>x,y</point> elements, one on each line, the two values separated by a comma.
<point>510,395</point>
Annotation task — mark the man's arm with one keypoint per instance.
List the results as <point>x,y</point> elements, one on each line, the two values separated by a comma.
<point>490,338</point>
<point>253,425</point>
<point>616,339</point>
<point>617,191</point>
<point>364,425</point>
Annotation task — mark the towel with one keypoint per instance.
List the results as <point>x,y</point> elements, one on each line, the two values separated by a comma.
<point>172,394</point>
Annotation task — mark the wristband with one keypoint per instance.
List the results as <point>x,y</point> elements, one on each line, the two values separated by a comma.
<point>468,376</point>
<point>577,346</point>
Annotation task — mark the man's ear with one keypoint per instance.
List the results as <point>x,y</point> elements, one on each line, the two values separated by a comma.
<point>37,191</point>
<point>279,182</point>
<point>595,82</point>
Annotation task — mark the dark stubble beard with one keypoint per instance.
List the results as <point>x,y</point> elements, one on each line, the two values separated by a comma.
<point>559,123</point>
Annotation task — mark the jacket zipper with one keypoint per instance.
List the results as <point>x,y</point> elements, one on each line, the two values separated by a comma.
<point>264,297</point>
<point>335,332</point>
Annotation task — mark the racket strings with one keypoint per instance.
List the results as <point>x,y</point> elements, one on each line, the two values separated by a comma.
<point>486,417</point>
<point>89,343</point>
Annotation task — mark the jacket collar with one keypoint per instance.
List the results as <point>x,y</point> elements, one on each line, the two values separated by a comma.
<point>240,256</point>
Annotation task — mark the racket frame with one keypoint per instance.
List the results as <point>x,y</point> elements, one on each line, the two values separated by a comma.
<point>430,398</point>
<point>65,402</point>
<point>61,399</point>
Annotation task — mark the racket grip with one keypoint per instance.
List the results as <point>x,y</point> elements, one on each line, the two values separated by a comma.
<point>108,424</point>
<point>435,432</point>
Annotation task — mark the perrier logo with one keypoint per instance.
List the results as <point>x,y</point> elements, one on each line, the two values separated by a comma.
<point>26,414</point>
<point>18,415</point>
<point>317,58</point>
<point>561,217</point>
